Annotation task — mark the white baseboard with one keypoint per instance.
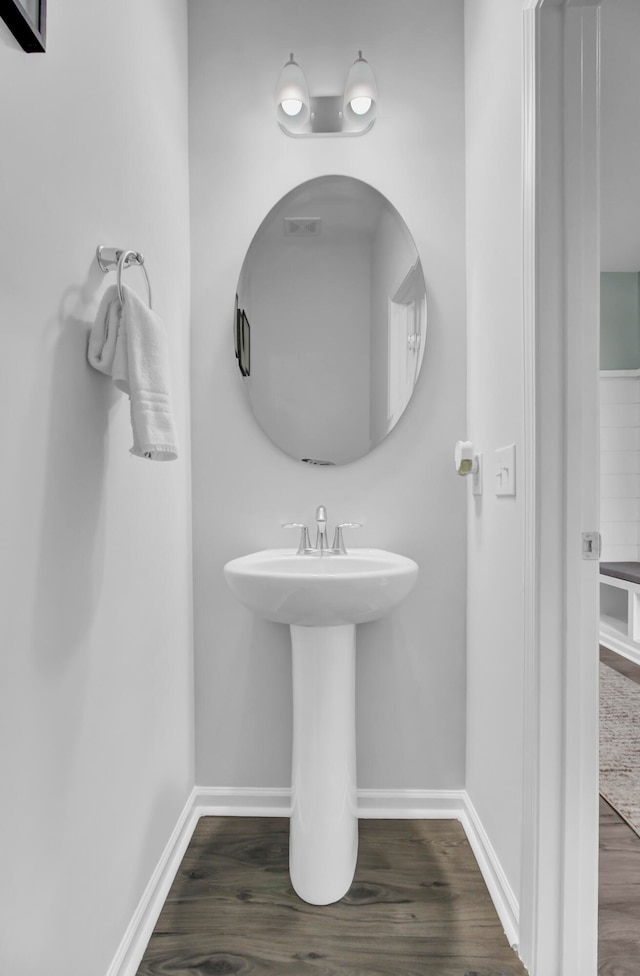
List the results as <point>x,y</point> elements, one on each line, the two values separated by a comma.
<point>616,374</point>
<point>620,646</point>
<point>240,801</point>
<point>134,942</point>
<point>410,804</point>
<point>213,801</point>
<point>209,801</point>
<point>504,900</point>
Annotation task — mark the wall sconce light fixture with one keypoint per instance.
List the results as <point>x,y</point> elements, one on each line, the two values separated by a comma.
<point>292,96</point>
<point>350,114</point>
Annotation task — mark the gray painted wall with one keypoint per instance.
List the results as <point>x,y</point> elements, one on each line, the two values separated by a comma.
<point>411,666</point>
<point>495,641</point>
<point>96,688</point>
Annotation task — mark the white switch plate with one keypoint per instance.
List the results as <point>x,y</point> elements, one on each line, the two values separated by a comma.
<point>506,470</point>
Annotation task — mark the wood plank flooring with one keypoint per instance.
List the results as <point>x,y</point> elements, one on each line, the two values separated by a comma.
<point>418,907</point>
<point>619,896</point>
<point>619,891</point>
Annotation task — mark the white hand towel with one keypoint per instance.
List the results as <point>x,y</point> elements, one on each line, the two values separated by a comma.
<point>129,343</point>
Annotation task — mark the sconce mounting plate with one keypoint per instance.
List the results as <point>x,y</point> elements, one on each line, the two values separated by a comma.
<point>327,119</point>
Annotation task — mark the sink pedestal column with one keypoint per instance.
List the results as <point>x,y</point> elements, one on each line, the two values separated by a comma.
<point>323,843</point>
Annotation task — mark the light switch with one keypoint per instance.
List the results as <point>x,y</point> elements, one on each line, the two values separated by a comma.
<point>506,470</point>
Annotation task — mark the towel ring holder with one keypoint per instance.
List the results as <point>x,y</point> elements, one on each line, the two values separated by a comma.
<point>114,257</point>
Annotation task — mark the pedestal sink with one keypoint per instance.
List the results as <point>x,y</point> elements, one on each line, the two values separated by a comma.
<point>322,596</point>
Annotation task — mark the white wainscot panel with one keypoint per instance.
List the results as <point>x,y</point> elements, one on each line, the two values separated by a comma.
<point>620,390</point>
<point>620,462</point>
<point>619,554</point>
<point>620,485</point>
<point>619,414</point>
<point>619,510</point>
<point>619,439</point>
<point>619,533</point>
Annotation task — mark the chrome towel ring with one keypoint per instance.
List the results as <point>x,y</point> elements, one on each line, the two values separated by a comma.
<point>110,258</point>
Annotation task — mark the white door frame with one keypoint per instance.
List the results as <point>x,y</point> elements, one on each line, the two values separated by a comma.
<point>559,896</point>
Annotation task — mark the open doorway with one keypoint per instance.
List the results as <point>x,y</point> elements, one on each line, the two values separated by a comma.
<point>407,323</point>
<point>619,883</point>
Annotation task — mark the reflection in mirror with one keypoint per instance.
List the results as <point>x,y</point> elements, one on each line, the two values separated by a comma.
<point>334,290</point>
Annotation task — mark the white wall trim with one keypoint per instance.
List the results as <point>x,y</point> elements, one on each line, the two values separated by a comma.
<point>134,942</point>
<point>580,823</point>
<point>241,801</point>
<point>209,801</point>
<point>620,646</point>
<point>530,842</point>
<point>220,801</point>
<point>558,897</point>
<point>502,894</point>
<point>612,374</point>
<point>411,804</point>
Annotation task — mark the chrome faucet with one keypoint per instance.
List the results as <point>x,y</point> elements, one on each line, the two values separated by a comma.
<point>321,529</point>
<point>338,546</point>
<point>304,546</point>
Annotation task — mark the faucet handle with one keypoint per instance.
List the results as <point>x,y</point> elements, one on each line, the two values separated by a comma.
<point>338,541</point>
<point>304,535</point>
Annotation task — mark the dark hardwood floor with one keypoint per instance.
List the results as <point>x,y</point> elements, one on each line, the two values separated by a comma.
<point>418,907</point>
<point>619,896</point>
<point>619,891</point>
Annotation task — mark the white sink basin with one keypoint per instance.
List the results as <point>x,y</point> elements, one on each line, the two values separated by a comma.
<point>322,598</point>
<point>321,590</point>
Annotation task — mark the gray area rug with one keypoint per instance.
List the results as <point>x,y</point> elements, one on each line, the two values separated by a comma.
<point>620,744</point>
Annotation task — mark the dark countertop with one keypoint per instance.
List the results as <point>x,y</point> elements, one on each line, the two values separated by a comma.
<point>624,571</point>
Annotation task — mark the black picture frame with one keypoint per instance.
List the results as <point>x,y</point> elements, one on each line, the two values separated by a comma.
<point>236,328</point>
<point>244,345</point>
<point>30,31</point>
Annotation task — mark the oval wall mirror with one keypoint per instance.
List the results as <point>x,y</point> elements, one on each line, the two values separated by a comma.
<point>331,315</point>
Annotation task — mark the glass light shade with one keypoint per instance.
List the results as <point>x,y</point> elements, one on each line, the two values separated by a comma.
<point>360,92</point>
<point>291,106</point>
<point>360,105</point>
<point>292,94</point>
